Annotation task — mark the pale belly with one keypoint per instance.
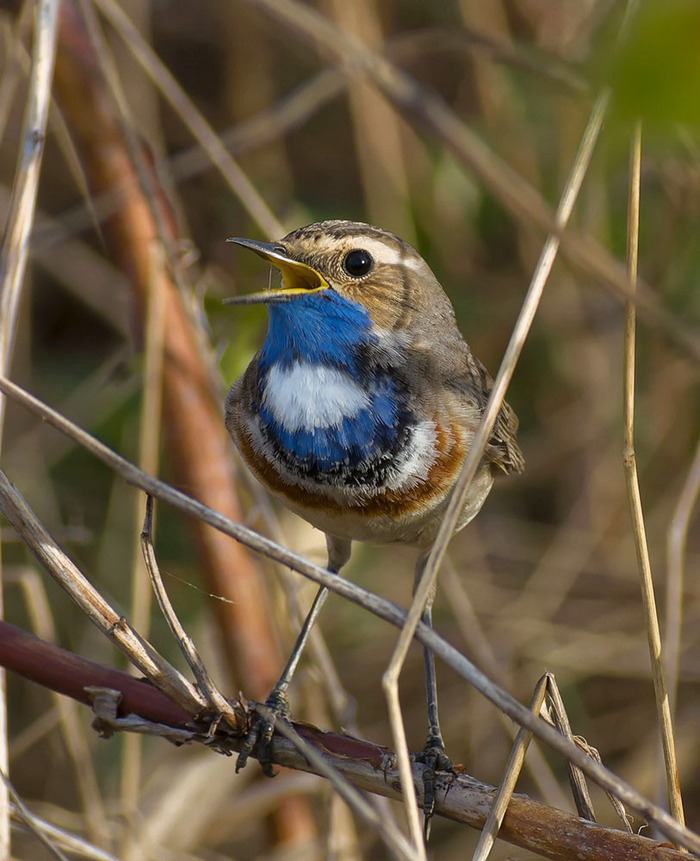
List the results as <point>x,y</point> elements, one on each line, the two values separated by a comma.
<point>416,525</point>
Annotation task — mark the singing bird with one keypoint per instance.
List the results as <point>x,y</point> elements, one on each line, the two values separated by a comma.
<point>359,409</point>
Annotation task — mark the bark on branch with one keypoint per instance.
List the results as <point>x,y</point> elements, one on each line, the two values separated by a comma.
<point>528,824</point>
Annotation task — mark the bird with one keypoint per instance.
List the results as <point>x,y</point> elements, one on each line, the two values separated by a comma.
<point>358,412</point>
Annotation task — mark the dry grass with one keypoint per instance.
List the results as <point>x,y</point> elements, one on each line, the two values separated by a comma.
<point>546,578</point>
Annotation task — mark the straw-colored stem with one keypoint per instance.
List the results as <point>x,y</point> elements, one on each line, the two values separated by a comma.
<point>394,841</point>
<point>70,720</point>
<point>13,262</point>
<point>510,777</point>
<point>52,558</point>
<point>634,495</point>
<point>149,440</point>
<point>471,462</point>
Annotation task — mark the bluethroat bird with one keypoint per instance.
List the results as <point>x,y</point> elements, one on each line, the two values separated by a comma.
<point>359,409</point>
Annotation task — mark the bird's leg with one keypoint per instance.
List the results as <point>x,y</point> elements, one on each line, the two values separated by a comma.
<point>433,755</point>
<point>262,729</point>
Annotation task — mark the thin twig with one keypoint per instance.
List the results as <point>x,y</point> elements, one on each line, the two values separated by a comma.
<point>387,831</point>
<point>582,797</point>
<point>26,816</point>
<point>373,603</point>
<point>488,835</point>
<point>217,702</point>
<point>634,494</point>
<point>408,787</point>
<point>18,228</point>
<point>60,837</point>
<point>149,449</point>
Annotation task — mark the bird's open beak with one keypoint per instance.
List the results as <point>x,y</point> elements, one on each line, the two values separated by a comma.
<point>297,278</point>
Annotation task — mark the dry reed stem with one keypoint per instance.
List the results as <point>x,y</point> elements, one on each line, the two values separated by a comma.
<point>384,827</point>
<point>489,832</point>
<point>24,816</point>
<point>58,837</point>
<point>663,708</point>
<point>20,217</point>
<point>83,593</point>
<point>150,421</point>
<point>558,716</point>
<point>380,607</point>
<point>216,700</point>
<point>70,723</point>
<point>481,437</point>
<point>13,261</point>
<point>409,792</point>
<point>150,427</point>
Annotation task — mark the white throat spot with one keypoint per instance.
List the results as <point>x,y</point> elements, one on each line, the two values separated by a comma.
<point>306,396</point>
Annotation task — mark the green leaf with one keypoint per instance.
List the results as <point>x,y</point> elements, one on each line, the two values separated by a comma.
<point>657,74</point>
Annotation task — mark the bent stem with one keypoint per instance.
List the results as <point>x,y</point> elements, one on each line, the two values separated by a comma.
<point>475,453</point>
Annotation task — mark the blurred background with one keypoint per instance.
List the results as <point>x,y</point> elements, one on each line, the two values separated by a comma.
<point>546,578</point>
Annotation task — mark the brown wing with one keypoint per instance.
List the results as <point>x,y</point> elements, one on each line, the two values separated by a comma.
<point>503,450</point>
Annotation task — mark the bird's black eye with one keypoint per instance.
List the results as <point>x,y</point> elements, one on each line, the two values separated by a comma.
<point>358,262</point>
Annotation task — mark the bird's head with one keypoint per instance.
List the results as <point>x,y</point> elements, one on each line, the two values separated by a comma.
<point>361,264</point>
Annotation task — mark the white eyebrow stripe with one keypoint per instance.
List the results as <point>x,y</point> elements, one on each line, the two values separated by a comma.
<point>305,396</point>
<point>384,253</point>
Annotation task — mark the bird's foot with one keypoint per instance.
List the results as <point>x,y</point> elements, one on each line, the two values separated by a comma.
<point>261,731</point>
<point>434,758</point>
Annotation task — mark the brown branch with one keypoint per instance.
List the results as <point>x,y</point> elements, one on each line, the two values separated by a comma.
<point>528,824</point>
<point>66,673</point>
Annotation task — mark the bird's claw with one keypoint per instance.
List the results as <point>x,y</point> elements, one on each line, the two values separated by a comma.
<point>261,731</point>
<point>434,758</point>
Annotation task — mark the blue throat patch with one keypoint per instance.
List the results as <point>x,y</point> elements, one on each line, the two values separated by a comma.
<point>327,330</point>
<point>319,328</point>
